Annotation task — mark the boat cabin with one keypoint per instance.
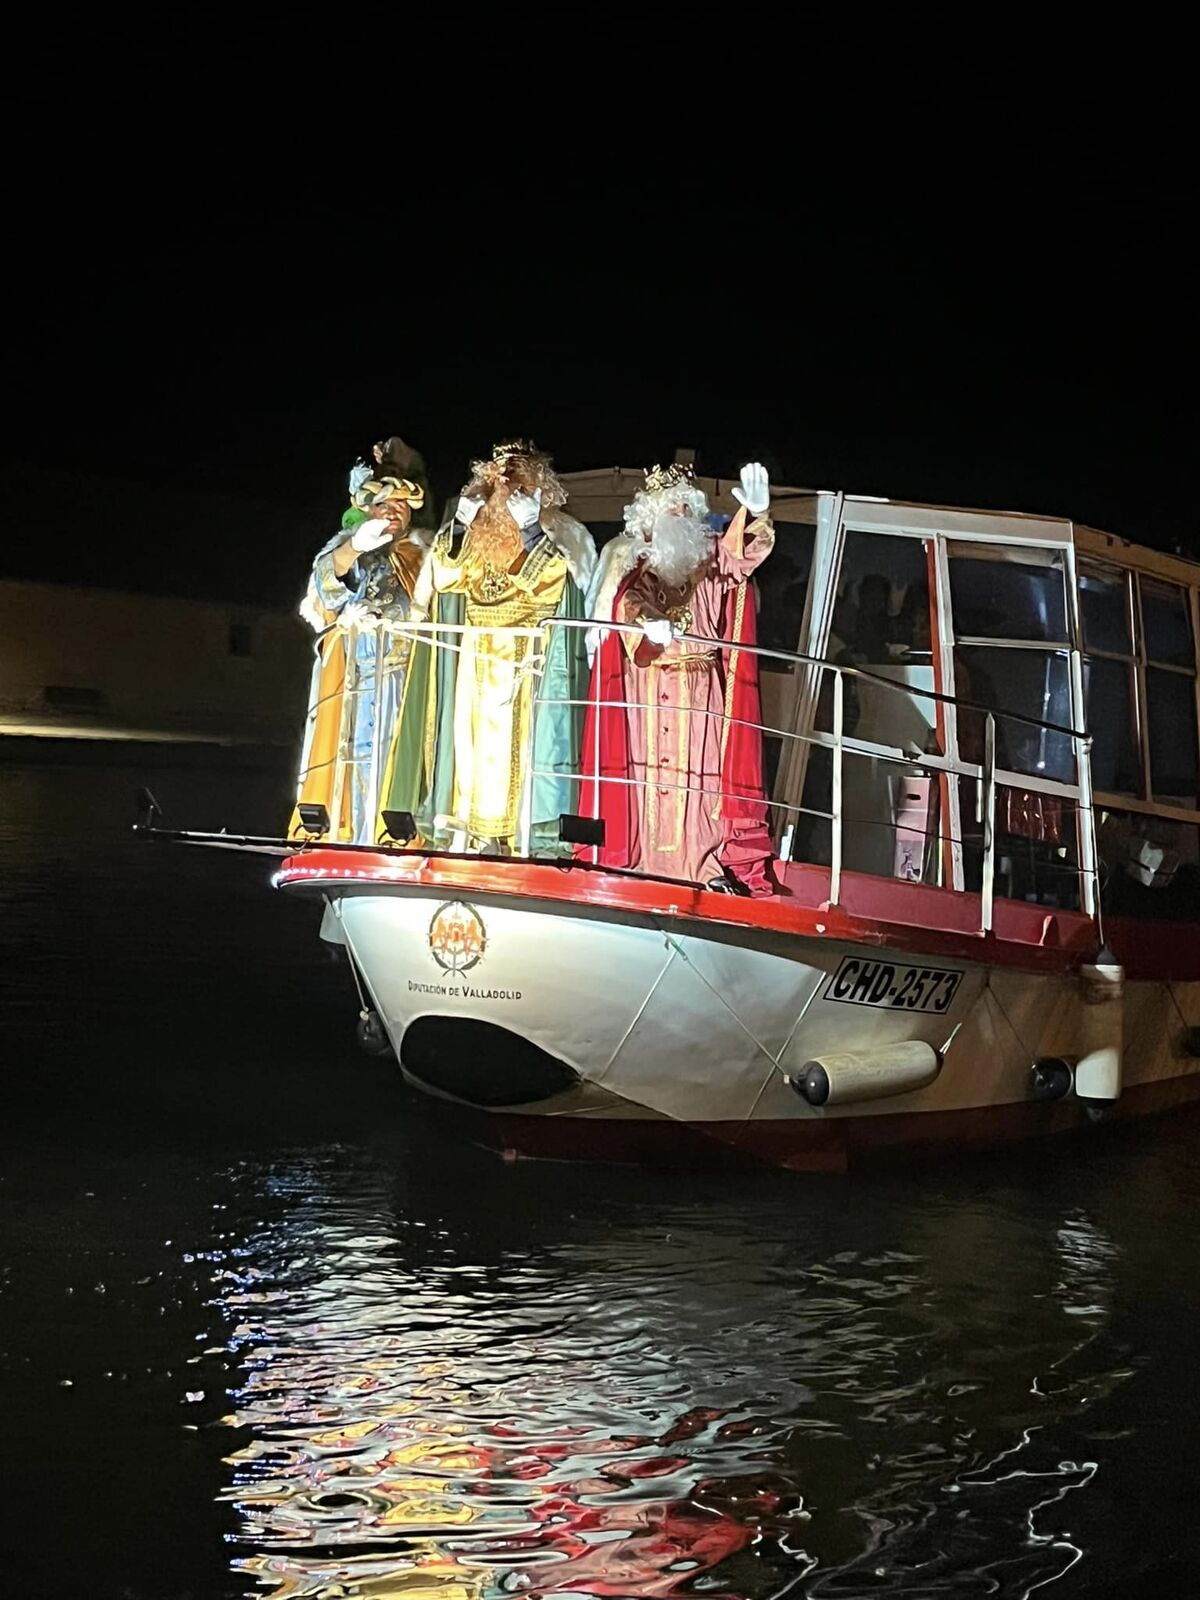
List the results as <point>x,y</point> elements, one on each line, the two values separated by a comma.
<point>974,648</point>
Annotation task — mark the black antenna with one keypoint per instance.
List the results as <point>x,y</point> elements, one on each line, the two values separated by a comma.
<point>149,809</point>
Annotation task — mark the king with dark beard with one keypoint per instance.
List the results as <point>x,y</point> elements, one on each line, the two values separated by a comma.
<point>675,724</point>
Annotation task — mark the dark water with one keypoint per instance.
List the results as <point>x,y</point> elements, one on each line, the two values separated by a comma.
<point>267,1329</point>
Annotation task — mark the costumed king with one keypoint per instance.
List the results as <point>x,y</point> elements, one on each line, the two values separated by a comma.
<point>468,740</point>
<point>362,581</point>
<point>677,724</point>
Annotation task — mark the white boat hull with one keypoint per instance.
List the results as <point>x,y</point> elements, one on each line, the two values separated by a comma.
<point>694,1024</point>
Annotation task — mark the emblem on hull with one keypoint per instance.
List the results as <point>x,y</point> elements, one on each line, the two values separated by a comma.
<point>457,937</point>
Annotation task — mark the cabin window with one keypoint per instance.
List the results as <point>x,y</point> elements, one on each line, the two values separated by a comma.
<point>1166,625</point>
<point>1110,679</point>
<point>1170,677</point>
<point>783,591</point>
<point>1108,693</point>
<point>1033,684</point>
<point>1007,594</point>
<point>1016,597</point>
<point>1171,714</point>
<point>882,623</point>
<point>1012,634</point>
<point>882,611</point>
<point>1105,608</point>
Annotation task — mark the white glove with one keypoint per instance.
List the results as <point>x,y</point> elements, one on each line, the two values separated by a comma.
<point>659,631</point>
<point>524,509</point>
<point>359,615</point>
<point>755,490</point>
<point>469,507</point>
<point>370,535</point>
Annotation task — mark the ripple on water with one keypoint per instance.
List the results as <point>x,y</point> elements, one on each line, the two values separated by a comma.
<point>619,1408</point>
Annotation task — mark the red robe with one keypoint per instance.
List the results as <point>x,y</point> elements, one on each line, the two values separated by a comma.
<point>739,816</point>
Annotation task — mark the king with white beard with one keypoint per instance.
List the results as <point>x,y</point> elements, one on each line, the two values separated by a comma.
<point>672,724</point>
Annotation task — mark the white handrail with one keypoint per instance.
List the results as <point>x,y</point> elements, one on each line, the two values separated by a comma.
<point>987,887</point>
<point>986,774</point>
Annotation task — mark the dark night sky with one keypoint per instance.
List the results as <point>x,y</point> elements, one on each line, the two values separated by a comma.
<point>247,250</point>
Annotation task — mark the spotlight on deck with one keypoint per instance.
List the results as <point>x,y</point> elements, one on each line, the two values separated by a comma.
<point>573,829</point>
<point>149,809</point>
<point>399,826</point>
<point>314,817</point>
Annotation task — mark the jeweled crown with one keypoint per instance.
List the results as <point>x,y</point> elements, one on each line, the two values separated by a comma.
<point>507,448</point>
<point>660,478</point>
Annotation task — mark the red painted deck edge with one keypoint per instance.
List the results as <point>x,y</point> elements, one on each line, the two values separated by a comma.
<point>1066,938</point>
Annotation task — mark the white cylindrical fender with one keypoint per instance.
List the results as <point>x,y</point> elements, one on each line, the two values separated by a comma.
<point>1102,1021</point>
<point>841,1076</point>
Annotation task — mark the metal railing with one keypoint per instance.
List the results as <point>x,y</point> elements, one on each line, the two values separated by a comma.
<point>364,771</point>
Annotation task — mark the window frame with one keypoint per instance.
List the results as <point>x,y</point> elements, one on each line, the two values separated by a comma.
<point>1140,663</point>
<point>1144,663</point>
<point>1126,576</point>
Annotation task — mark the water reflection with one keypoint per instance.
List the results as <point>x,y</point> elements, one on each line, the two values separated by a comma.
<point>449,1375</point>
<point>695,1399</point>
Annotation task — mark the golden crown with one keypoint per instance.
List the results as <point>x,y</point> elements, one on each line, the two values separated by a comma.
<point>507,448</point>
<point>660,478</point>
<point>375,491</point>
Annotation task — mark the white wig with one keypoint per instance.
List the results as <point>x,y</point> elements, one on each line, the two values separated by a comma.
<point>684,498</point>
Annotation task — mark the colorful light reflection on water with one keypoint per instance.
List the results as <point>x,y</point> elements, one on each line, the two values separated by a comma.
<point>680,1402</point>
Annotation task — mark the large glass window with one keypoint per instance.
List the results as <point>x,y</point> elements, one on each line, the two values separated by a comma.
<point>1109,695</point>
<point>783,590</point>
<point>1171,714</point>
<point>1007,594</point>
<point>1170,670</point>
<point>882,624</point>
<point>1104,603</point>
<point>1167,624</point>
<point>1110,679</point>
<point>1011,658</point>
<point>1034,684</point>
<point>882,612</point>
<point>1017,597</point>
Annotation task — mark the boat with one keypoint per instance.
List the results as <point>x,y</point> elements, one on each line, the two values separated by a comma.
<point>981,736</point>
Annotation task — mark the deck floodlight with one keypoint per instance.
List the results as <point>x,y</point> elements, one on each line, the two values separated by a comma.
<point>314,817</point>
<point>399,826</point>
<point>573,829</point>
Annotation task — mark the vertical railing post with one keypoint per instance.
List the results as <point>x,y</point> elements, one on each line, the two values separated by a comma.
<point>525,821</point>
<point>596,741</point>
<point>310,724</point>
<point>1085,833</point>
<point>835,824</point>
<point>987,887</point>
<point>372,814</point>
<point>349,693</point>
<point>1085,817</point>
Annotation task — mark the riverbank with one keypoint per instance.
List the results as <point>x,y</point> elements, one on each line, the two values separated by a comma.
<point>42,740</point>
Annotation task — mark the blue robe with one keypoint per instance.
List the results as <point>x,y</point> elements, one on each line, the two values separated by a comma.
<point>374,675</point>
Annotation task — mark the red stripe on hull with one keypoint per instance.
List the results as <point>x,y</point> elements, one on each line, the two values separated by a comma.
<point>817,1145</point>
<point>908,917</point>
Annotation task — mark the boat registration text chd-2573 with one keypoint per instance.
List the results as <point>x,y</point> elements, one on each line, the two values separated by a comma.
<point>858,982</point>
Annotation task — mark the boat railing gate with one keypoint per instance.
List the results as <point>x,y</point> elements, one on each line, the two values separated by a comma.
<point>389,657</point>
